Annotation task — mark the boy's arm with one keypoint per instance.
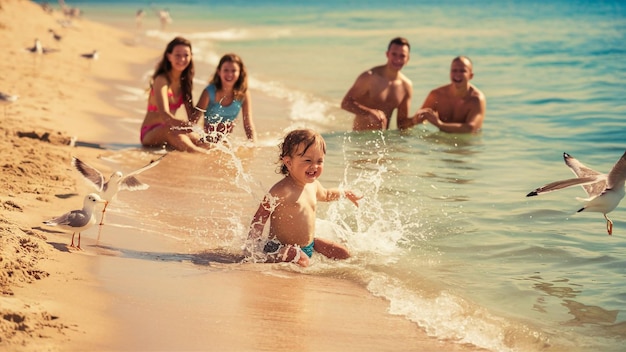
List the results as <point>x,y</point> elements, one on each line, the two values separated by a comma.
<point>260,219</point>
<point>256,227</point>
<point>332,194</point>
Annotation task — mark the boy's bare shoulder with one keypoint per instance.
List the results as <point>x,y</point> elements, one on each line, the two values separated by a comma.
<point>280,188</point>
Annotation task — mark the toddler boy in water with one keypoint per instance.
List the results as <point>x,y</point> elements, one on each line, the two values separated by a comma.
<point>291,204</point>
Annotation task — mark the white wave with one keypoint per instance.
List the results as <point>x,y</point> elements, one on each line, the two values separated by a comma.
<point>304,107</point>
<point>444,316</point>
<point>238,34</point>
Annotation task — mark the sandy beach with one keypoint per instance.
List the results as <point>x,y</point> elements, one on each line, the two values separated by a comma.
<point>53,298</point>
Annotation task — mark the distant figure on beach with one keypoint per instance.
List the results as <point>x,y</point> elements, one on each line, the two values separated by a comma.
<point>139,18</point>
<point>226,95</point>
<point>377,92</point>
<point>458,107</point>
<point>165,18</point>
<point>291,203</point>
<point>170,88</point>
<point>69,11</point>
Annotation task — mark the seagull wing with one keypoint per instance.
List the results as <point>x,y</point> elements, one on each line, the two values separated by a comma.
<point>90,173</point>
<point>580,170</point>
<point>74,218</point>
<point>617,176</point>
<point>577,167</point>
<point>131,183</point>
<point>148,166</point>
<point>557,185</point>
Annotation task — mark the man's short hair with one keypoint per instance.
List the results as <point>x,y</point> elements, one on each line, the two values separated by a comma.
<point>465,60</point>
<point>399,41</point>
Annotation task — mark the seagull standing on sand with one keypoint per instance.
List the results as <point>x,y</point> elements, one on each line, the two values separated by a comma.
<point>108,190</point>
<point>37,48</point>
<point>78,220</point>
<point>7,99</point>
<point>55,35</point>
<point>91,56</point>
<point>605,191</point>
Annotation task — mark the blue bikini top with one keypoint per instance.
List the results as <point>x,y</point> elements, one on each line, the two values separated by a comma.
<point>216,113</point>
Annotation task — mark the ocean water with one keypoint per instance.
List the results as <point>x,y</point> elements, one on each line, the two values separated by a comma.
<point>445,232</point>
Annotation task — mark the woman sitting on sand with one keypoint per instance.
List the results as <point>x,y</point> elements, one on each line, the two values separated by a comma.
<point>171,88</point>
<point>224,97</point>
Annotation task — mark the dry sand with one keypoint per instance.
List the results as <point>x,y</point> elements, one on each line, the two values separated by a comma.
<point>52,298</point>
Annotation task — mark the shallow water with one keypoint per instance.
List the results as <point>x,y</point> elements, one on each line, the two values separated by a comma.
<point>445,232</point>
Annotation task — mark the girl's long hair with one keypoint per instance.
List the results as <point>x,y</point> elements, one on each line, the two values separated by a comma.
<point>186,77</point>
<point>241,86</point>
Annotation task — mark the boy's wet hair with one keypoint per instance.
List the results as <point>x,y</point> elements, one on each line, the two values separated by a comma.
<point>296,137</point>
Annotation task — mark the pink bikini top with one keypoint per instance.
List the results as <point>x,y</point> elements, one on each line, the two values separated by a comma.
<point>173,106</point>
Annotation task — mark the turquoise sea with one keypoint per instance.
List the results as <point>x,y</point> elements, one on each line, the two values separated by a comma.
<point>445,232</point>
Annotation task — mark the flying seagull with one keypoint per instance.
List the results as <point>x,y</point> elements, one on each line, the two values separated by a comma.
<point>605,191</point>
<point>108,190</point>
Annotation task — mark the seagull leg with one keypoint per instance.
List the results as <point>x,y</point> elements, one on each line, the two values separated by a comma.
<point>103,210</point>
<point>79,242</point>
<point>99,232</point>
<point>609,225</point>
<point>72,244</point>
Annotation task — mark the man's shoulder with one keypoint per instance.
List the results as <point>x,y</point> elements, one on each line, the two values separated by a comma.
<point>477,93</point>
<point>441,90</point>
<point>374,71</point>
<point>406,80</point>
<point>379,71</point>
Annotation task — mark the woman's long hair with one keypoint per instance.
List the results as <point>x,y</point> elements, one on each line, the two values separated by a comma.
<point>241,86</point>
<point>186,77</point>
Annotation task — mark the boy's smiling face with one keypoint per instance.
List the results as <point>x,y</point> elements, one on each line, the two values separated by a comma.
<point>307,167</point>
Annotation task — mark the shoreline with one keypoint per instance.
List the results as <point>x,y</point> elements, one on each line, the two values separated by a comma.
<point>56,299</point>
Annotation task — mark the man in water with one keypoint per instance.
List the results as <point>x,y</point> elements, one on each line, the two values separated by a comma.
<point>458,107</point>
<point>376,93</point>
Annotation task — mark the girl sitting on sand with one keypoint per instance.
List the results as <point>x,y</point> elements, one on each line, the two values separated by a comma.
<point>226,95</point>
<point>291,203</point>
<point>170,88</point>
